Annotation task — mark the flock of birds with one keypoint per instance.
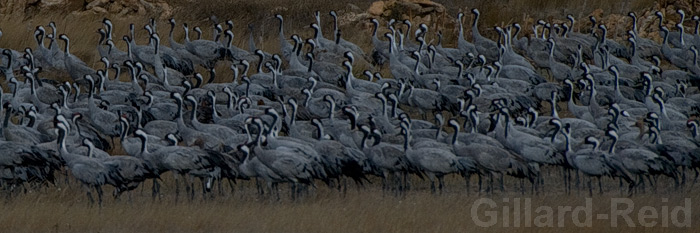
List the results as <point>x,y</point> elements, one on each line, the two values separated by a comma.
<point>302,116</point>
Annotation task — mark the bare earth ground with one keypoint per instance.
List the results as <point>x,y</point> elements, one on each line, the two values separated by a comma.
<point>64,207</point>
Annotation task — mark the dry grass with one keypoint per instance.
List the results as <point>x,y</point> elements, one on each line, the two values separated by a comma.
<point>65,209</point>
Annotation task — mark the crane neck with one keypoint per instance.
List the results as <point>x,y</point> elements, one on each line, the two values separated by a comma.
<point>555,113</point>
<point>331,110</point>
<point>8,113</point>
<point>407,139</point>
<point>612,145</point>
<point>293,119</point>
<point>321,133</point>
<point>194,112</point>
<point>455,134</point>
<point>62,141</point>
<point>557,129</point>
<point>363,142</point>
<point>214,114</point>
<point>246,127</point>
<point>67,49</point>
<point>567,140</point>
<point>460,36</point>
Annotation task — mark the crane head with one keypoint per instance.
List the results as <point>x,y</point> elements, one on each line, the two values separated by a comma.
<point>659,14</point>
<point>380,96</point>
<point>271,111</point>
<point>475,11</point>
<point>316,122</point>
<point>454,123</point>
<point>176,96</point>
<point>88,143</point>
<point>243,148</point>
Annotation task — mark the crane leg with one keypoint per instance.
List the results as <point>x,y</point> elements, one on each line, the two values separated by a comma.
<point>89,195</point>
<point>130,197</point>
<point>155,188</point>
<point>177,185</point>
<point>230,184</point>
<point>398,186</point>
<point>682,176</point>
<point>65,175</point>
<point>275,189</point>
<point>567,186</point>
<point>394,182</point>
<point>674,176</point>
<point>345,185</point>
<point>99,195</point>
<point>563,176</point>
<point>490,188</point>
<point>549,174</point>
<point>538,184</point>
<point>600,185</point>
<point>522,187</point>
<point>188,189</point>
<point>220,186</point>
<point>337,183</point>
<point>406,181</point>
<point>619,179</point>
<point>384,180</point>
<point>270,188</point>
<point>467,178</point>
<point>293,190</point>
<point>479,176</point>
<point>642,186</point>
<point>117,193</point>
<point>259,187</point>
<point>503,189</point>
<point>206,184</point>
<point>651,183</point>
<point>630,187</point>
<point>190,186</point>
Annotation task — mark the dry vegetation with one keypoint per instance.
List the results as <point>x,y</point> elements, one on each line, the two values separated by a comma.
<point>64,208</point>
